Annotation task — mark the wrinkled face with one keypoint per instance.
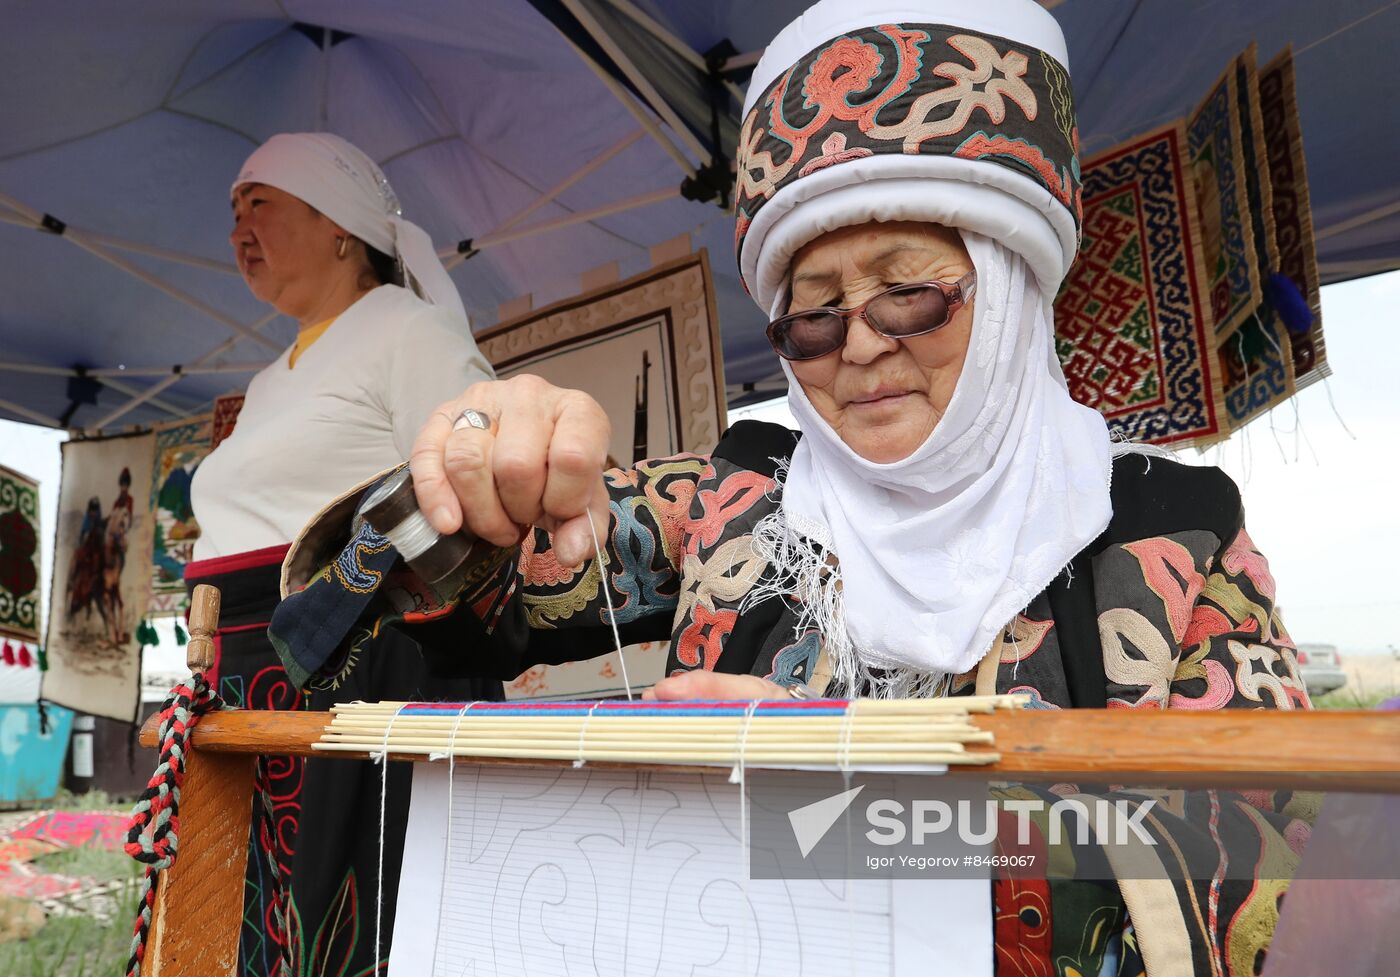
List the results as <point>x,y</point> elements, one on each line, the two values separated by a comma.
<point>882,396</point>
<point>284,247</point>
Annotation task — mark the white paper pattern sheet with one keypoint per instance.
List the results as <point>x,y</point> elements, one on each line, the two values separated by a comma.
<point>576,873</point>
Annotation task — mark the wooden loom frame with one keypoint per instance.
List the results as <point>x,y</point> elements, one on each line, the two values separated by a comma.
<point>199,900</point>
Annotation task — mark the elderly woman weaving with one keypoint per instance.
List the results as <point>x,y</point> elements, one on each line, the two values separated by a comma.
<point>949,519</point>
<point>907,208</point>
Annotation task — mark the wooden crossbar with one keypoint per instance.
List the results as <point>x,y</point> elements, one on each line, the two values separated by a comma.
<point>197,935</point>
<point>1322,750</point>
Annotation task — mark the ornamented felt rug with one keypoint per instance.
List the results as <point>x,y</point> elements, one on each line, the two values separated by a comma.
<point>1133,327</point>
<point>1292,211</point>
<point>19,556</point>
<point>1215,134</point>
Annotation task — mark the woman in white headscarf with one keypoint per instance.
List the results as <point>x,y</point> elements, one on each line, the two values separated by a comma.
<point>382,337</point>
<point>950,520</point>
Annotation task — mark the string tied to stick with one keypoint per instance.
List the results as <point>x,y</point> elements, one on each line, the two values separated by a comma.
<point>607,599</point>
<point>736,773</point>
<point>381,757</point>
<point>451,756</point>
<point>583,732</point>
<point>843,756</point>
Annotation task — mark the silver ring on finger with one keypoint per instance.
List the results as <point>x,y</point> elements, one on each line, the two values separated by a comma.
<point>470,417</point>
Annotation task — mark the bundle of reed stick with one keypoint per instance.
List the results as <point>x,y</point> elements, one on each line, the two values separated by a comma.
<point>859,734</point>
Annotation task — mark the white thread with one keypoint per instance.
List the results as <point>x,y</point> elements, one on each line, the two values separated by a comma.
<point>447,848</point>
<point>1273,429</point>
<point>382,758</point>
<point>1327,386</point>
<point>607,599</point>
<point>1307,440</point>
<point>582,730</point>
<point>736,773</point>
<point>844,763</point>
<point>850,882</point>
<point>744,852</point>
<point>413,537</point>
<point>843,753</point>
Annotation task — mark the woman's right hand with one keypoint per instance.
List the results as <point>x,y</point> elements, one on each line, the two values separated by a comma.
<point>541,464</point>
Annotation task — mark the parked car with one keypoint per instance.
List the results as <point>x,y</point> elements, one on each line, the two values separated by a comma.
<point>1321,668</point>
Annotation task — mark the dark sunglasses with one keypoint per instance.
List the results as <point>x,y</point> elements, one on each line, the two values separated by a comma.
<point>901,312</point>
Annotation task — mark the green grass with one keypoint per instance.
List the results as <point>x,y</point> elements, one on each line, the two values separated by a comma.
<point>74,946</point>
<point>96,800</point>
<point>1349,698</point>
<point>90,863</point>
<point>78,945</point>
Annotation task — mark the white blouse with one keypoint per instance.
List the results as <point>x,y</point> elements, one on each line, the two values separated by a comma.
<point>351,408</point>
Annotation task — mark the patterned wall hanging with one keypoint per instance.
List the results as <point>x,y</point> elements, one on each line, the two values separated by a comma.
<point>648,350</point>
<point>1292,214</point>
<point>180,447</point>
<point>1215,136</point>
<point>20,668</point>
<point>1256,364</point>
<point>226,410</point>
<point>19,556</point>
<point>101,577</point>
<point>1132,322</point>
<point>1256,359</point>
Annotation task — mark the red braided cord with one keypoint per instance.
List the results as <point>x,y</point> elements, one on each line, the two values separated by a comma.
<point>153,833</point>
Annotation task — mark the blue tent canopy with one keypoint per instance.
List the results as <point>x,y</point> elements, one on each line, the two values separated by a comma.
<point>548,137</point>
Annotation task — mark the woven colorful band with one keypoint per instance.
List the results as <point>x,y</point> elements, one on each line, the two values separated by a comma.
<point>917,89</point>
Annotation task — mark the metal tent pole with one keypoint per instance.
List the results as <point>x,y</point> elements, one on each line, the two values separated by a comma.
<point>46,222</point>
<point>636,76</point>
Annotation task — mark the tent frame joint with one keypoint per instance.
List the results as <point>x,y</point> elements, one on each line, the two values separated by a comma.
<point>715,179</point>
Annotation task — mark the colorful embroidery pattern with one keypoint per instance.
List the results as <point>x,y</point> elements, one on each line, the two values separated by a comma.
<point>916,89</point>
<point>19,556</point>
<point>272,844</point>
<point>351,568</point>
<point>1131,322</point>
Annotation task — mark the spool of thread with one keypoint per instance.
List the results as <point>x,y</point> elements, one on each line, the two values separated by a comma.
<point>392,511</point>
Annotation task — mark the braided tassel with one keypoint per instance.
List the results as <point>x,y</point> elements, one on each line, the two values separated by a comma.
<point>153,832</point>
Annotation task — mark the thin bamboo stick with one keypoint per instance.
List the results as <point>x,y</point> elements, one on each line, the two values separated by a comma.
<point>867,732</point>
<point>729,745</point>
<point>833,756</point>
<point>968,735</point>
<point>643,724</point>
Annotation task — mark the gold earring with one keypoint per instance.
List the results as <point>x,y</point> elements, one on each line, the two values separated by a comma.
<point>340,248</point>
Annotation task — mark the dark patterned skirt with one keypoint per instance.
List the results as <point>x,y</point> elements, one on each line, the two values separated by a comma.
<point>330,870</point>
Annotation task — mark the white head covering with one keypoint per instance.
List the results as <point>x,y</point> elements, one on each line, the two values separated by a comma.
<point>335,177</point>
<point>936,552</point>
